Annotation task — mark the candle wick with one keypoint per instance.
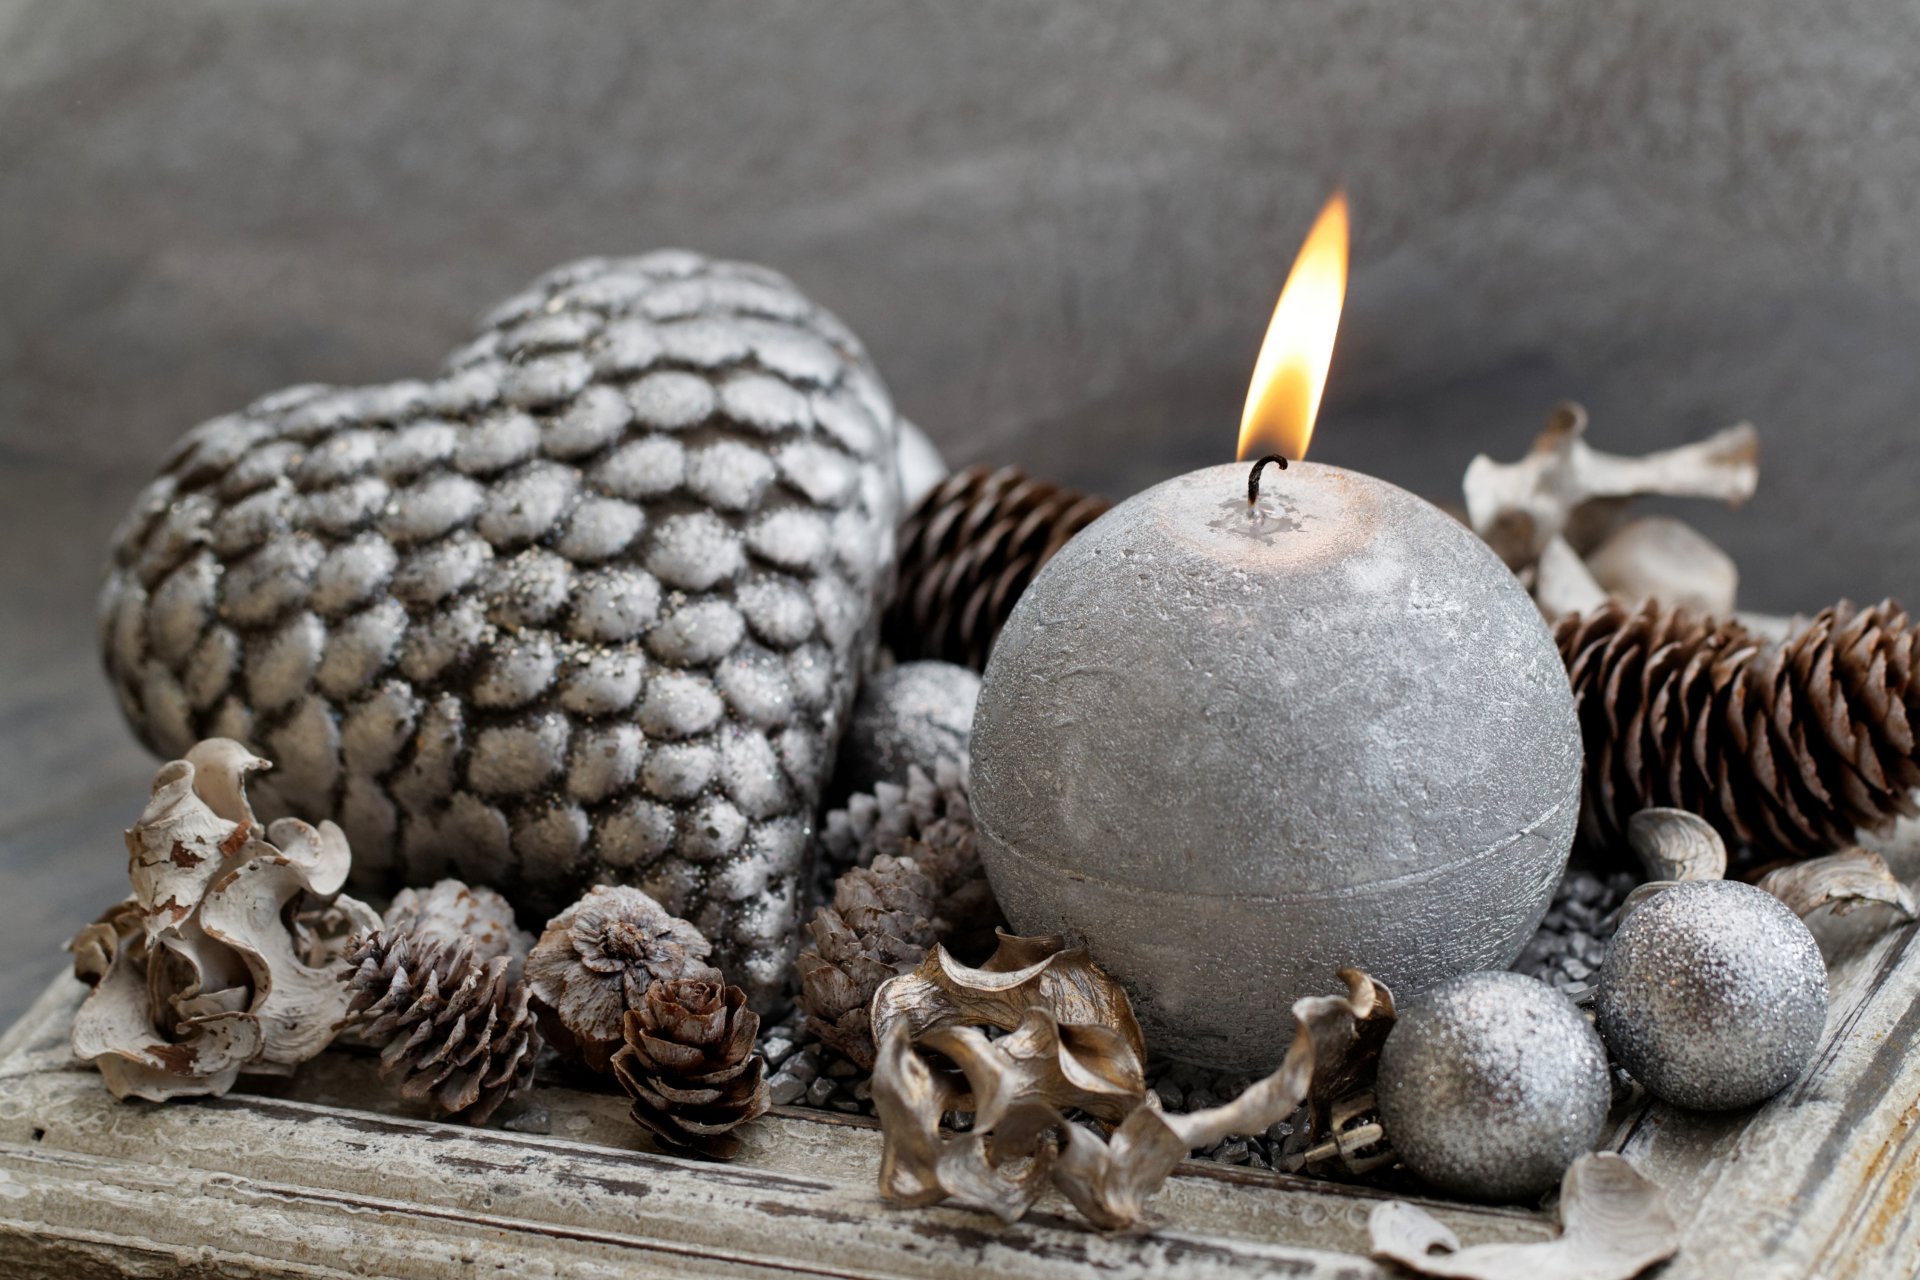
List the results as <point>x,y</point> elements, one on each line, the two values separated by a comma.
<point>1253,478</point>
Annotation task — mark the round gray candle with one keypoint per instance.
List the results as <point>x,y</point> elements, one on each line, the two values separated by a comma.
<point>1234,753</point>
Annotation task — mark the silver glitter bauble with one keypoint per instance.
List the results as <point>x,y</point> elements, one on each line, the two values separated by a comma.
<point>1490,1085</point>
<point>918,713</point>
<point>588,606</point>
<point>1234,756</point>
<point>1713,995</point>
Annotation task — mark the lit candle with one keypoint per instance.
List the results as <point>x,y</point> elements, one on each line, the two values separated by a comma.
<point>1244,730</point>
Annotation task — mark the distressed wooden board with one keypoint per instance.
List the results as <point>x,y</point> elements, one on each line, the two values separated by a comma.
<point>323,1176</point>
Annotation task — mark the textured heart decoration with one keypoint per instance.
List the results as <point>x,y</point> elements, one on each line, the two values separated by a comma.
<point>590,607</point>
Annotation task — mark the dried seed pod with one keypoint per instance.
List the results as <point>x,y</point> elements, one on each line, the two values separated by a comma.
<point>595,962</point>
<point>227,957</point>
<point>1846,881</point>
<point>1564,486</point>
<point>1072,1042</point>
<point>1673,844</point>
<point>452,1025</point>
<point>690,1066</point>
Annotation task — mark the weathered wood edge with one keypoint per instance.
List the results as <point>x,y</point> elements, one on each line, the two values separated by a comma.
<point>319,1176</point>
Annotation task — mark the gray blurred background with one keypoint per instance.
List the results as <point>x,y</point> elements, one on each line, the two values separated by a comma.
<point>1060,228</point>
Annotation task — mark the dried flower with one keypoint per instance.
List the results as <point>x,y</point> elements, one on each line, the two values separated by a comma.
<point>228,956</point>
<point>595,962</point>
<point>690,1067</point>
<point>1073,1043</point>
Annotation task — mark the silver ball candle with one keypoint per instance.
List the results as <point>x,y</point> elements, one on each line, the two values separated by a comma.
<point>918,713</point>
<point>1713,995</point>
<point>1490,1085</point>
<point>1235,751</point>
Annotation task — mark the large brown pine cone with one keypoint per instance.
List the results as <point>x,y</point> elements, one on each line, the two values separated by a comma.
<point>967,551</point>
<point>690,1067</point>
<point>455,1030</point>
<point>1789,747</point>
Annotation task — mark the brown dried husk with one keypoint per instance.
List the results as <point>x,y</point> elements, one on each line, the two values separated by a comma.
<point>1072,1045</point>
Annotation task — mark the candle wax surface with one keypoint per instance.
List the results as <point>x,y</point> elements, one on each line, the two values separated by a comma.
<point>1236,755</point>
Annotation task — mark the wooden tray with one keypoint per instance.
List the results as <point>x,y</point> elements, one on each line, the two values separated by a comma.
<point>321,1176</point>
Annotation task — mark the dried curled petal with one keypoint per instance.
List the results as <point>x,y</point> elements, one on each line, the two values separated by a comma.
<point>228,955</point>
<point>1614,1224</point>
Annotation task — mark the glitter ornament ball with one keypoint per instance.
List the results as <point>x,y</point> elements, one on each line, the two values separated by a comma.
<point>1234,754</point>
<point>918,713</point>
<point>588,606</point>
<point>1490,1085</point>
<point>1713,995</point>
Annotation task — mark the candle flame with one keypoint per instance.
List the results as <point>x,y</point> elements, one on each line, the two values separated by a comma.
<point>1284,396</point>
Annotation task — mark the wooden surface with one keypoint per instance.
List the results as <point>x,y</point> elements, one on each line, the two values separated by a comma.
<point>323,1176</point>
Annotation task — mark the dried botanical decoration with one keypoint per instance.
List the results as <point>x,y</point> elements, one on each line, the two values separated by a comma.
<point>1673,844</point>
<point>595,962</point>
<point>932,809</point>
<point>450,910</point>
<point>1848,881</point>
<point>1791,747</point>
<point>1072,1043</point>
<point>967,551</point>
<point>1660,558</point>
<point>1566,488</point>
<point>690,1066</point>
<point>451,1023</point>
<point>1022,974</point>
<point>227,958</point>
<point>1614,1224</point>
<point>889,908</point>
<point>917,715</point>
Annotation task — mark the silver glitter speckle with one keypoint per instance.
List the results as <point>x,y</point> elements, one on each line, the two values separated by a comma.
<point>1713,995</point>
<point>1491,1084</point>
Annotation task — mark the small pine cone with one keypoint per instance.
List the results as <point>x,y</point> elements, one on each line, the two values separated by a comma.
<point>451,910</point>
<point>1790,747</point>
<point>595,962</point>
<point>883,920</point>
<point>931,811</point>
<point>688,1063</point>
<point>454,1029</point>
<point>967,551</point>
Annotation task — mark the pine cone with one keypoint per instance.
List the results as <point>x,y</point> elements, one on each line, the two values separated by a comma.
<point>595,962</point>
<point>967,552</point>
<point>690,1067</point>
<point>456,1030</point>
<point>1789,747</point>
<point>588,605</point>
<point>915,880</point>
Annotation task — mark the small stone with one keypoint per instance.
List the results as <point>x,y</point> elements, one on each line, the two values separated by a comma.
<point>785,1088</point>
<point>1171,1097</point>
<point>821,1090</point>
<point>776,1049</point>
